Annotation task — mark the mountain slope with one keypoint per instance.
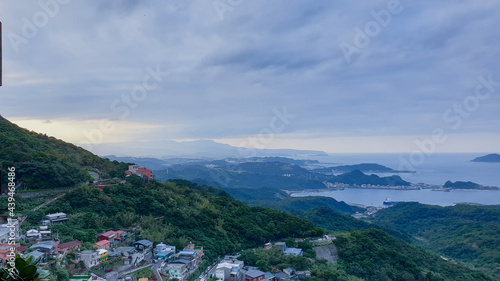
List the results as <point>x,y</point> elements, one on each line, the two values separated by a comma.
<point>463,232</point>
<point>47,162</point>
<point>491,158</point>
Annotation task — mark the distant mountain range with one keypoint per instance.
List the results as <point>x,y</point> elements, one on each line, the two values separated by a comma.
<point>491,158</point>
<point>196,149</point>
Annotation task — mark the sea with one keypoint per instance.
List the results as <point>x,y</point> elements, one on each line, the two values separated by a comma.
<point>433,169</point>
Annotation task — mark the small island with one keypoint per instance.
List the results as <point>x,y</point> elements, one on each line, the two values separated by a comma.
<point>490,158</point>
<point>467,185</point>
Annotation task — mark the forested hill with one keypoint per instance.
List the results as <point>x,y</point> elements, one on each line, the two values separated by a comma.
<point>463,232</point>
<point>174,213</point>
<point>46,162</point>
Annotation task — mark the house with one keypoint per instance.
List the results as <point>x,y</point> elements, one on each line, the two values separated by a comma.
<point>143,245</point>
<point>281,245</point>
<point>177,270</point>
<point>303,274</point>
<point>89,258</point>
<point>12,226</point>
<point>269,276</point>
<point>140,171</point>
<point>103,244</point>
<point>254,275</point>
<point>103,255</point>
<point>32,235</point>
<point>4,235</point>
<point>108,235</point>
<point>289,271</point>
<point>281,276</point>
<point>68,246</point>
<point>293,252</point>
<point>48,247</point>
<point>229,270</point>
<point>37,255</point>
<point>54,219</point>
<point>120,235</point>
<point>163,251</point>
<point>5,251</point>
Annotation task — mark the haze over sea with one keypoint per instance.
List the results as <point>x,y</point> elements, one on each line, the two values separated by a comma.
<point>435,169</point>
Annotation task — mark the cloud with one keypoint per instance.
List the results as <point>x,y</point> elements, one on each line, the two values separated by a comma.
<point>226,77</point>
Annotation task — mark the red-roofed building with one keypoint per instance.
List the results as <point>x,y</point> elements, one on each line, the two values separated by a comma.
<point>140,171</point>
<point>108,235</point>
<point>69,246</point>
<point>103,244</point>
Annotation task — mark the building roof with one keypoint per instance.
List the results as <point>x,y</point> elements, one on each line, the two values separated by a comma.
<point>269,275</point>
<point>102,243</point>
<point>70,244</point>
<point>35,254</point>
<point>255,273</point>
<point>21,249</point>
<point>55,215</point>
<point>180,261</point>
<point>110,233</point>
<point>144,242</point>
<point>42,245</point>
<point>293,251</point>
<point>187,253</point>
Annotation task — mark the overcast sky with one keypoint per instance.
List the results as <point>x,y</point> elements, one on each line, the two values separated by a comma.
<point>338,76</point>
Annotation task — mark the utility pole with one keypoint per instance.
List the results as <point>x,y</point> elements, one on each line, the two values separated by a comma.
<point>0,53</point>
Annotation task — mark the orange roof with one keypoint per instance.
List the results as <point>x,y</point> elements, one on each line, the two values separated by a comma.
<point>102,243</point>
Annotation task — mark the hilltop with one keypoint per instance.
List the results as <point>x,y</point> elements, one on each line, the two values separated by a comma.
<point>46,162</point>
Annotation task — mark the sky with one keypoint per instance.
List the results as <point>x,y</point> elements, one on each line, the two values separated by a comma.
<point>337,76</point>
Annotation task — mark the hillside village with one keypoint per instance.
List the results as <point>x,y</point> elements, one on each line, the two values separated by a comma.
<point>117,255</point>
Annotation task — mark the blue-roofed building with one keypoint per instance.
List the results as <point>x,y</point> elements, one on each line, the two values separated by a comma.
<point>37,255</point>
<point>293,252</point>
<point>143,244</point>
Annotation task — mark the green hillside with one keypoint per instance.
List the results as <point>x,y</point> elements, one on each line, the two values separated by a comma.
<point>175,213</point>
<point>463,232</point>
<point>374,255</point>
<point>47,162</point>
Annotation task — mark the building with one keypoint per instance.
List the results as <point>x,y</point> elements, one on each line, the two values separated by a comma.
<point>12,226</point>
<point>293,252</point>
<point>229,270</point>
<point>177,270</point>
<point>54,219</point>
<point>303,274</point>
<point>108,235</point>
<point>255,275</point>
<point>103,255</point>
<point>89,258</point>
<point>4,236</point>
<point>143,245</point>
<point>32,235</point>
<point>281,245</point>
<point>139,171</point>
<point>37,255</point>
<point>103,244</point>
<point>5,251</point>
<point>68,247</point>
<point>48,247</point>
<point>289,271</point>
<point>163,251</point>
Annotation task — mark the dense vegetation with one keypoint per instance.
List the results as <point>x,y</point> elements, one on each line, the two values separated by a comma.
<point>46,162</point>
<point>463,232</point>
<point>298,205</point>
<point>173,213</point>
<point>374,255</point>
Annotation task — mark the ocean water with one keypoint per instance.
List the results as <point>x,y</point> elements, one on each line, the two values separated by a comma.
<point>376,197</point>
<point>432,169</point>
